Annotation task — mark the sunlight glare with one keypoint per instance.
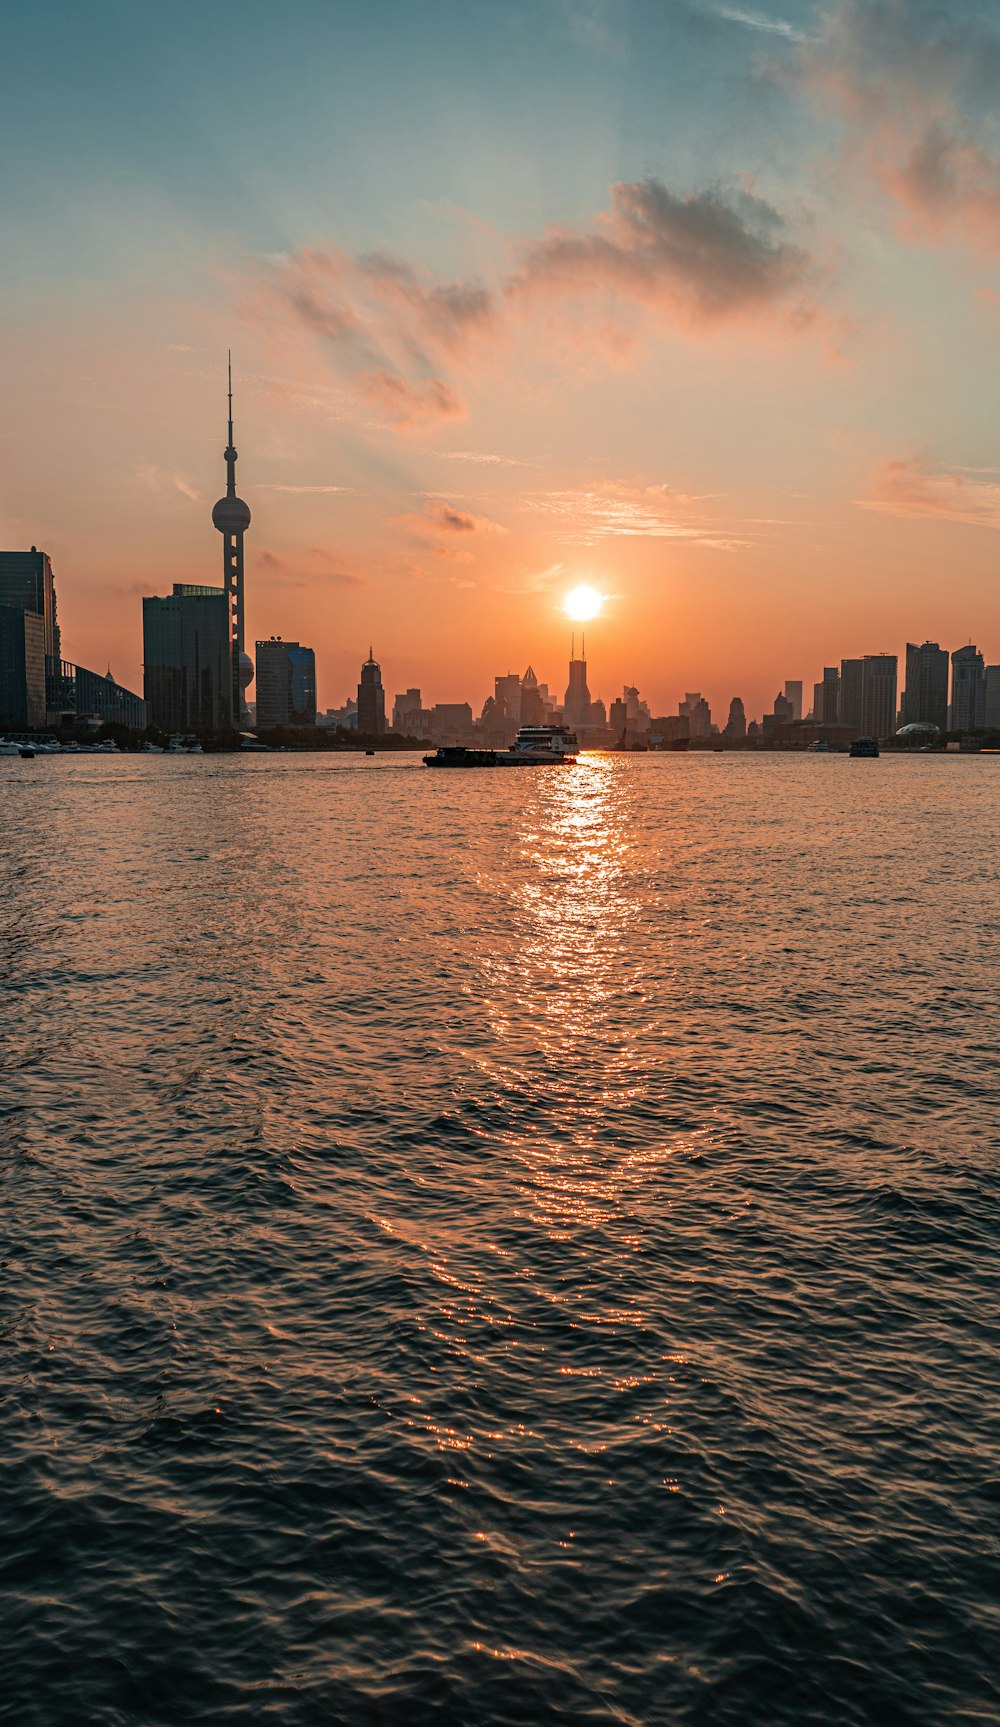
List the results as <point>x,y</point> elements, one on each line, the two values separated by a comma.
<point>582,604</point>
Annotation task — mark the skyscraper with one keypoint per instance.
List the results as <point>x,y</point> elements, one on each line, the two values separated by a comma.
<point>826,698</point>
<point>22,669</point>
<point>232,518</point>
<point>286,684</point>
<point>878,714</point>
<point>406,712</point>
<point>371,699</point>
<point>852,687</point>
<point>576,708</point>
<point>991,710</point>
<point>968,689</point>
<point>925,698</point>
<point>736,725</point>
<point>27,584</point>
<point>187,659</point>
<point>793,694</point>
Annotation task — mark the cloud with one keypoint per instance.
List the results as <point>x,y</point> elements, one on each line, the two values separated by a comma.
<point>758,21</point>
<point>916,487</point>
<point>912,83</point>
<point>407,345</point>
<point>409,405</point>
<point>273,486</point>
<point>610,510</point>
<point>316,565</point>
<point>162,483</point>
<point>703,257</point>
<point>440,525</point>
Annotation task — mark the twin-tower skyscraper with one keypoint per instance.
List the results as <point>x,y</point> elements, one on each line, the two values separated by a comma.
<point>232,518</point>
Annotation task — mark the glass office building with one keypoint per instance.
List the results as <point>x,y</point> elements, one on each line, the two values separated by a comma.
<point>187,664</point>
<point>22,670</point>
<point>286,684</point>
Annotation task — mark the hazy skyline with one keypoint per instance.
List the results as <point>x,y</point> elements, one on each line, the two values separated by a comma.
<point>698,304</point>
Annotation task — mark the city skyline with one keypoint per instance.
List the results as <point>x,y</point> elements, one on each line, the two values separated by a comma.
<point>729,356</point>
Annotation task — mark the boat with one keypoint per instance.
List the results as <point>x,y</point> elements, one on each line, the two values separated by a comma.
<point>864,747</point>
<point>9,749</point>
<point>820,747</point>
<point>26,753</point>
<point>534,746</point>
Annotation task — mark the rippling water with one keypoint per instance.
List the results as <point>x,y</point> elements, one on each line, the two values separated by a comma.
<point>494,1249</point>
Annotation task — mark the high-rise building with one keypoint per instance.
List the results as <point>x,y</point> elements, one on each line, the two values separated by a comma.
<point>406,712</point>
<point>371,699</point>
<point>925,698</point>
<point>532,702</point>
<point>698,713</point>
<point>79,696</point>
<point>968,690</point>
<point>991,705</point>
<point>736,725</point>
<point>878,714</point>
<point>187,659</point>
<point>793,694</point>
<point>826,698</point>
<point>232,518</point>
<point>782,714</point>
<point>286,684</point>
<point>27,584</point>
<point>22,669</point>
<point>576,707</point>
<point>852,691</point>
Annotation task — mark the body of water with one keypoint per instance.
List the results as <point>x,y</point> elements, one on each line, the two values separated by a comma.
<point>499,1248</point>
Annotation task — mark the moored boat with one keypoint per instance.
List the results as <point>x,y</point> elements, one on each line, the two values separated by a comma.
<point>864,747</point>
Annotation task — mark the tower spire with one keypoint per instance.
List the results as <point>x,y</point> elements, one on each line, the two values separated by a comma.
<point>230,450</point>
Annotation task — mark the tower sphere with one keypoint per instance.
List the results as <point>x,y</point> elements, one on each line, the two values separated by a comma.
<point>246,670</point>
<point>231,516</point>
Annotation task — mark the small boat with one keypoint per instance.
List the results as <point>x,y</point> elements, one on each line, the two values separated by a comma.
<point>820,747</point>
<point>864,747</point>
<point>9,749</point>
<point>369,752</point>
<point>26,754</point>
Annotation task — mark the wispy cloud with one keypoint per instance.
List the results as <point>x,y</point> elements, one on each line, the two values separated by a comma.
<point>915,486</point>
<point>614,511</point>
<point>442,524</point>
<point>274,486</point>
<point>758,21</point>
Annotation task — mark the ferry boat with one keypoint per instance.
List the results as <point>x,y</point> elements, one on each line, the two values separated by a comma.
<point>864,747</point>
<point>534,746</point>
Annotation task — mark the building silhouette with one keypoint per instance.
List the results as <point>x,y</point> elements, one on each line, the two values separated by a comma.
<point>793,694</point>
<point>187,659</point>
<point>576,707</point>
<point>968,690</point>
<point>407,711</point>
<point>878,716</point>
<point>925,697</point>
<point>232,518</point>
<point>698,714</point>
<point>991,705</point>
<point>286,684</point>
<point>736,725</point>
<point>852,694</point>
<point>371,699</point>
<point>826,698</point>
<point>22,669</point>
<point>27,584</point>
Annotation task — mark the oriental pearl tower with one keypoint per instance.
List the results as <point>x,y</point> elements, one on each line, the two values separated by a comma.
<point>232,518</point>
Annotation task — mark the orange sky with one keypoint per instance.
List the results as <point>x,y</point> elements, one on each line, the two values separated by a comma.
<point>733,363</point>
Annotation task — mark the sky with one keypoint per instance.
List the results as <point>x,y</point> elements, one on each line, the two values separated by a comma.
<point>693,301</point>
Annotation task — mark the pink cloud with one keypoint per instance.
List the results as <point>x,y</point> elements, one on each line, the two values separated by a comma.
<point>914,486</point>
<point>410,405</point>
<point>911,83</point>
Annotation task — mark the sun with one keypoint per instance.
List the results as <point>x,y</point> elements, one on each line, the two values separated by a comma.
<point>582,604</point>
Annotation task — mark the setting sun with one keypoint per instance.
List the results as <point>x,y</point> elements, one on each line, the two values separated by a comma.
<point>582,604</point>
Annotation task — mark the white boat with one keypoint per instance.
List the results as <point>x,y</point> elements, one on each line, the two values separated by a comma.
<point>537,744</point>
<point>9,749</point>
